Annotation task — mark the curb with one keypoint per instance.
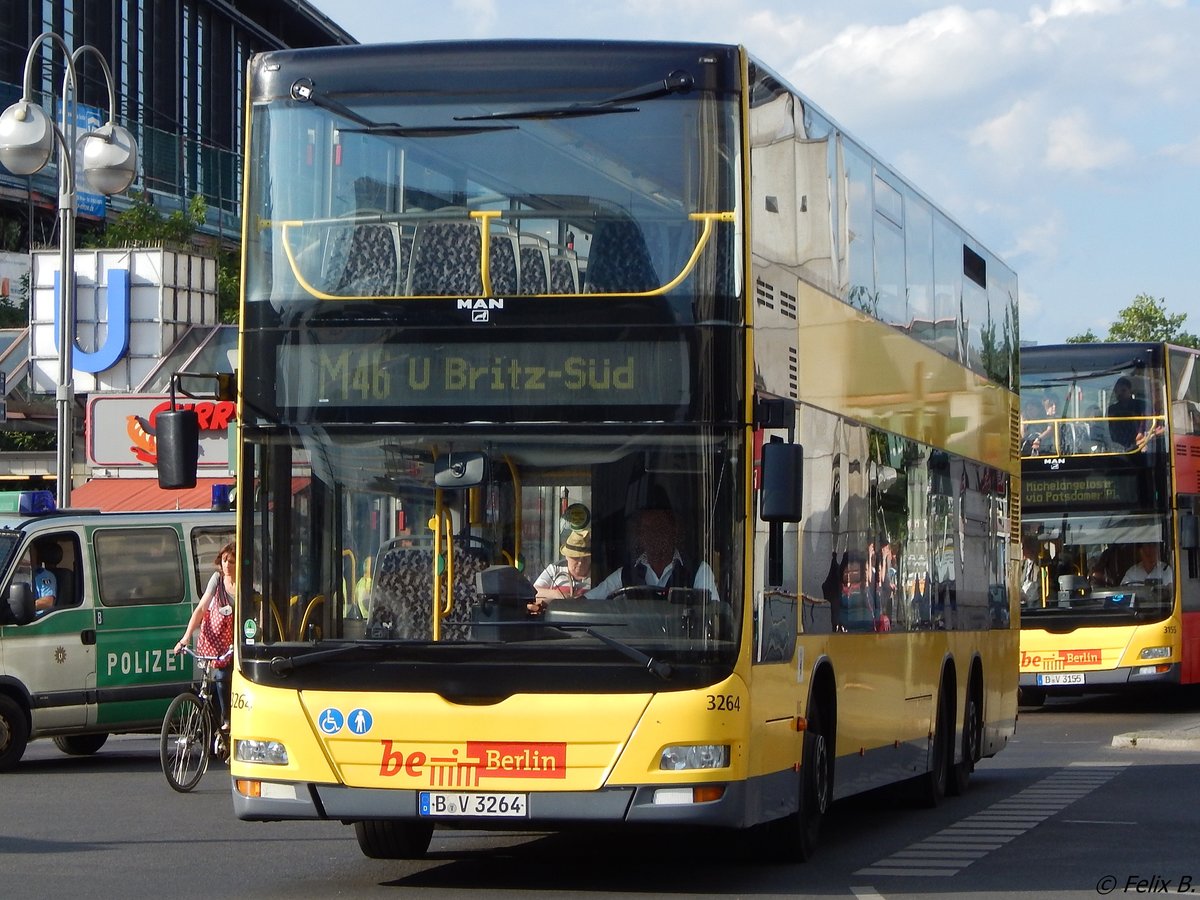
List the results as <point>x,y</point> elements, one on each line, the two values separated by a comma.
<point>1158,740</point>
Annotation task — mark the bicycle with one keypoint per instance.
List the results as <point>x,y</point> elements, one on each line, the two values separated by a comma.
<point>190,736</point>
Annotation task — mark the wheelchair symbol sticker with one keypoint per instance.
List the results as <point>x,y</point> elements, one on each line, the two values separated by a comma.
<point>330,721</point>
<point>359,721</point>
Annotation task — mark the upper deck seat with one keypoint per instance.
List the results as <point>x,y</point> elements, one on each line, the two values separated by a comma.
<point>445,260</point>
<point>535,264</point>
<point>365,260</point>
<point>619,261</point>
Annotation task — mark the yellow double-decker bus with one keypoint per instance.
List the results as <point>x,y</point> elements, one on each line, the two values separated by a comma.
<point>1111,490</point>
<point>637,327</point>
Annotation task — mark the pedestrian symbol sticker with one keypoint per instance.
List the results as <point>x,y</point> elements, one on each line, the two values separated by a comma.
<point>359,721</point>
<point>330,721</point>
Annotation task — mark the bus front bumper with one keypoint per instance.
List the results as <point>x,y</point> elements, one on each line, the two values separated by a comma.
<point>1162,673</point>
<point>628,805</point>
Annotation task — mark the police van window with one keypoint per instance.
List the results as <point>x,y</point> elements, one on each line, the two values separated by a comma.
<point>50,566</point>
<point>138,566</point>
<point>206,544</point>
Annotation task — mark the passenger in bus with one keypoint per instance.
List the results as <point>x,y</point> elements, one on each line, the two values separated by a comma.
<point>1124,426</point>
<point>570,577</point>
<point>1032,430</point>
<point>45,577</point>
<point>660,563</point>
<point>1149,568</point>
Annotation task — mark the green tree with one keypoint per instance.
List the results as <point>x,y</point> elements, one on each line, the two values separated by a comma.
<point>1145,319</point>
<point>144,225</point>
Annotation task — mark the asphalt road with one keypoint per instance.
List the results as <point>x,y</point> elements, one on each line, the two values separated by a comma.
<point>1068,809</point>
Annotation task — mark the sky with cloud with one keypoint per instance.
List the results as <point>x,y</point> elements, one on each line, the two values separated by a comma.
<point>1063,134</point>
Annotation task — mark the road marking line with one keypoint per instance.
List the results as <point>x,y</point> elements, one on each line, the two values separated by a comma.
<point>994,826</point>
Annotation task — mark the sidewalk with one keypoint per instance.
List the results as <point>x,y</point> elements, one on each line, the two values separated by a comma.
<point>1184,737</point>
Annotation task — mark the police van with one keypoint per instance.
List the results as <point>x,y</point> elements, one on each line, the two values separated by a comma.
<point>91,605</point>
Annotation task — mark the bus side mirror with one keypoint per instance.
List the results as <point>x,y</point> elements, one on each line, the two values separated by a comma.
<point>178,433</point>
<point>1189,532</point>
<point>782,492</point>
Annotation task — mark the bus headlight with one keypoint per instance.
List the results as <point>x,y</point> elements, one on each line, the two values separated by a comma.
<point>694,756</point>
<point>270,753</point>
<point>1156,653</point>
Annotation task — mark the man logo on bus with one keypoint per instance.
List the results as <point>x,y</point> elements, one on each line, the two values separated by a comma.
<point>481,307</point>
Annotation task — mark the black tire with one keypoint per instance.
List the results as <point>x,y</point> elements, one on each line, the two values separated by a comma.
<point>931,787</point>
<point>185,744</point>
<point>816,784</point>
<point>80,744</point>
<point>14,733</point>
<point>1030,696</point>
<point>794,838</point>
<point>972,743</point>
<point>392,839</point>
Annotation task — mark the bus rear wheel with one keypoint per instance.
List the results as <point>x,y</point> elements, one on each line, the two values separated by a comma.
<point>80,744</point>
<point>931,787</point>
<point>392,839</point>
<point>972,741</point>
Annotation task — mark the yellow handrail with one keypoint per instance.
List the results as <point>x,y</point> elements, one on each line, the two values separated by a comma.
<point>709,219</point>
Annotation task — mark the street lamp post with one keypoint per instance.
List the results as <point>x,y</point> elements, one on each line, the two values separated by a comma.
<point>109,157</point>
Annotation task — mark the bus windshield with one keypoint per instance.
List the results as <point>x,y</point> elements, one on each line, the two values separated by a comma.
<point>1095,569</point>
<point>375,193</point>
<point>465,530</point>
<point>1109,404</point>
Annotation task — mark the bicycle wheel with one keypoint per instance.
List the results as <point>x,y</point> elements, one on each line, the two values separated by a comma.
<point>185,743</point>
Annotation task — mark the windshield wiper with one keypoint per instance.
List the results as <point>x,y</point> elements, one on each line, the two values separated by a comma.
<point>281,665</point>
<point>394,130</point>
<point>305,91</point>
<point>678,82</point>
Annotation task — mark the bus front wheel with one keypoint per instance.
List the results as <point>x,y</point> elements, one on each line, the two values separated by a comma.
<point>816,786</point>
<point>392,839</point>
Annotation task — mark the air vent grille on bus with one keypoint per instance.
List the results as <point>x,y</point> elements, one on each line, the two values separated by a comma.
<point>764,293</point>
<point>1014,434</point>
<point>1014,510</point>
<point>787,304</point>
<point>793,373</point>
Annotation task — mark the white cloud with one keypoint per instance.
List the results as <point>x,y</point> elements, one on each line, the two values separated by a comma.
<point>1065,9</point>
<point>478,17</point>
<point>946,52</point>
<point>1074,144</point>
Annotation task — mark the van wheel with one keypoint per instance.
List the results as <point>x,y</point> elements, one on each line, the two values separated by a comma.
<point>80,744</point>
<point>14,733</point>
<point>392,839</point>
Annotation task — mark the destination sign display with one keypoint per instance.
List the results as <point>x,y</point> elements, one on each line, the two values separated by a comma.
<point>524,373</point>
<point>1079,489</point>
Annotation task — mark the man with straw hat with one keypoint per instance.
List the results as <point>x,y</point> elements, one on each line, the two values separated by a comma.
<point>571,576</point>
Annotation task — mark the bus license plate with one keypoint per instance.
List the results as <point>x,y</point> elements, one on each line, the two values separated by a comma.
<point>490,806</point>
<point>1061,678</point>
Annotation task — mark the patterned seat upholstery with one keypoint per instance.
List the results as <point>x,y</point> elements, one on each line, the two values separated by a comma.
<point>402,595</point>
<point>564,273</point>
<point>368,260</point>
<point>535,265</point>
<point>445,260</point>
<point>619,261</point>
<point>502,264</point>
